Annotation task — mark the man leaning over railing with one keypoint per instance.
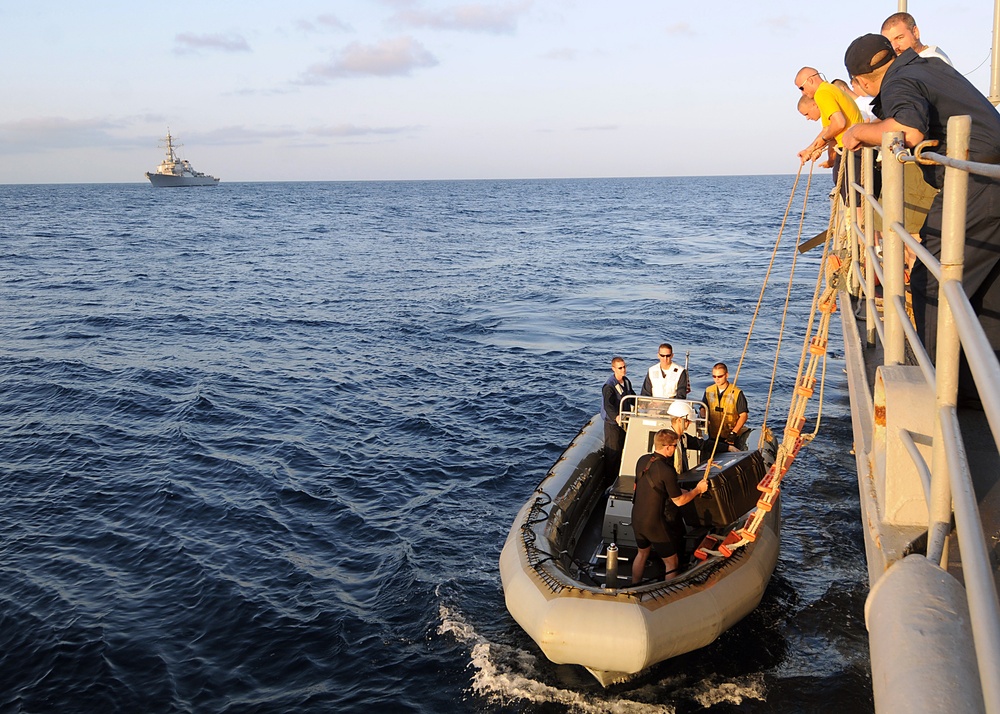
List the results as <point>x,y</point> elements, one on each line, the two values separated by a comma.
<point>917,96</point>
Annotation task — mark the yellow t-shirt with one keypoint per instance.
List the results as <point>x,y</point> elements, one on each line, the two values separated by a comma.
<point>831,100</point>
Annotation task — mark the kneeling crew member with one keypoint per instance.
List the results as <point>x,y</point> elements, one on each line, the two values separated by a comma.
<point>689,448</point>
<point>656,516</point>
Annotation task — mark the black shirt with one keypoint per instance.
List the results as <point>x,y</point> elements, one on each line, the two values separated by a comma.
<point>923,93</point>
<point>654,489</point>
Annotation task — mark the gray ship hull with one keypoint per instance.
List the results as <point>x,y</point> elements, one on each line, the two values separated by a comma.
<point>167,181</point>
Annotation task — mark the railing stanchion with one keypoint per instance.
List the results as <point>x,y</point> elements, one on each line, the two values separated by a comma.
<point>868,171</point>
<point>852,217</point>
<point>892,249</point>
<point>946,356</point>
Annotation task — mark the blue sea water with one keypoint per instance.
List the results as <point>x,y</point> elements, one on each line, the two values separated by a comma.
<point>261,444</point>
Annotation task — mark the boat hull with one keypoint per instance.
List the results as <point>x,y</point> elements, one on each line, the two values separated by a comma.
<point>167,181</point>
<point>617,633</point>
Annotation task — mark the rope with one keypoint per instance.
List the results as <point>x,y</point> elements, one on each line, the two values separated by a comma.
<point>756,312</point>
<point>781,332</point>
<point>814,347</point>
<point>836,219</point>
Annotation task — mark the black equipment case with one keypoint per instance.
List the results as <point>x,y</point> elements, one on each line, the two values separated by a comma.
<point>732,489</point>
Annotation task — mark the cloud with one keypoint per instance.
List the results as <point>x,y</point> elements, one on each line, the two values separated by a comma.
<point>473,17</point>
<point>188,43</point>
<point>393,57</point>
<point>680,29</point>
<point>240,135</point>
<point>265,92</point>
<point>323,22</point>
<point>780,23</point>
<point>58,134</point>
<point>352,130</point>
<point>562,54</point>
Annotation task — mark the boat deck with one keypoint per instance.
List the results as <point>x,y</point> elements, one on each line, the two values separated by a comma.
<point>591,548</point>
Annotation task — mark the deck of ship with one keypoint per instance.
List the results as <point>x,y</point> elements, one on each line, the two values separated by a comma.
<point>863,359</point>
<point>928,464</point>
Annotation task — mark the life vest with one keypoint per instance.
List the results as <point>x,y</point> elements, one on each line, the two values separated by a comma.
<point>727,415</point>
<point>665,385</point>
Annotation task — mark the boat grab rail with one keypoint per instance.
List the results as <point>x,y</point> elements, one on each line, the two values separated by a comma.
<point>951,490</point>
<point>639,406</point>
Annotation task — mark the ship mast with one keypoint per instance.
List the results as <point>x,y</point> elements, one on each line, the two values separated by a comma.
<point>171,156</point>
<point>995,62</point>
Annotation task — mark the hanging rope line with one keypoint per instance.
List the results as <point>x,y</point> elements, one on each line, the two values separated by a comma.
<point>814,351</point>
<point>765,430</point>
<point>765,435</point>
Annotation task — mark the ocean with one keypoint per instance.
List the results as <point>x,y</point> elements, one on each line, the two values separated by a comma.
<point>261,443</point>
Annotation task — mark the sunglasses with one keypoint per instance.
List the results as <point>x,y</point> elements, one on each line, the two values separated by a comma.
<point>802,86</point>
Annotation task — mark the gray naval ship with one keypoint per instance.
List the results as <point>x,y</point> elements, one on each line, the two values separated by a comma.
<point>173,171</point>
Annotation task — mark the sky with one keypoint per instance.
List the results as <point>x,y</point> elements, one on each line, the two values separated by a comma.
<point>302,90</point>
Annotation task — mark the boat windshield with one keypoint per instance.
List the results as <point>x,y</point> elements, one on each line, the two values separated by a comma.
<point>658,408</point>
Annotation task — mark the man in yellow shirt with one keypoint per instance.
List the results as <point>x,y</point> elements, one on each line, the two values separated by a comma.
<point>810,110</point>
<point>837,112</point>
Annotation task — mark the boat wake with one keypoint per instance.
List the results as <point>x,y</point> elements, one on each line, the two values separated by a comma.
<point>503,674</point>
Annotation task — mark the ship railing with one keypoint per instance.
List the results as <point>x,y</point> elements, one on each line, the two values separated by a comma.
<point>946,480</point>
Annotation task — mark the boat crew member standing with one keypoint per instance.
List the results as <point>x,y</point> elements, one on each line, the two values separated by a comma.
<point>727,409</point>
<point>688,447</point>
<point>864,103</point>
<point>656,516</point>
<point>917,96</point>
<point>617,387</point>
<point>666,379</point>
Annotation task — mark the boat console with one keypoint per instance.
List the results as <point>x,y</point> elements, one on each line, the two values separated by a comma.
<point>732,490</point>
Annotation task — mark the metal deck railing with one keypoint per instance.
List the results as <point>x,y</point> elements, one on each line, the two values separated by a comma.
<point>947,479</point>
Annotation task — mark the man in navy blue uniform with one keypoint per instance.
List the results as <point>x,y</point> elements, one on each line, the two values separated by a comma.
<point>617,386</point>
<point>917,96</point>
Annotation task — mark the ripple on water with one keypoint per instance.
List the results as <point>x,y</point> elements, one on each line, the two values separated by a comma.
<point>262,444</point>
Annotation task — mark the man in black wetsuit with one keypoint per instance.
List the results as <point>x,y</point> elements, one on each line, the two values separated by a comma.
<point>917,96</point>
<point>656,516</point>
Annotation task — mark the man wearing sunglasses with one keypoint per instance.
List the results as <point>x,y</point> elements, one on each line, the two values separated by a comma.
<point>666,379</point>
<point>727,410</point>
<point>614,390</point>
<point>837,112</point>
